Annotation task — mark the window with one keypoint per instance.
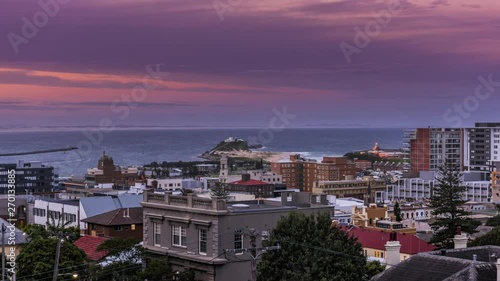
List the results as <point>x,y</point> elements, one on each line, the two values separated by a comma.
<point>118,228</point>
<point>238,241</point>
<point>179,236</point>
<point>157,234</point>
<point>132,227</point>
<point>203,241</point>
<point>379,254</point>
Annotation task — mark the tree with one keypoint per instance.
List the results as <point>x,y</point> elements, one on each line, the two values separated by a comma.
<point>363,156</point>
<point>311,250</point>
<point>397,212</point>
<point>490,238</point>
<point>124,260</point>
<point>447,203</point>
<point>157,269</point>
<point>36,260</point>
<point>124,249</point>
<point>373,268</point>
<point>58,225</point>
<point>494,221</point>
<point>187,275</point>
<point>154,170</point>
<point>219,190</point>
<point>259,165</point>
<point>164,169</point>
<point>35,231</point>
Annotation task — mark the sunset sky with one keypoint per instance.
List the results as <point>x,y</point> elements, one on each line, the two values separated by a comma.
<point>262,55</point>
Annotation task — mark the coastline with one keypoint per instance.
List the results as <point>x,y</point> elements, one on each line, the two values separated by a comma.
<point>267,156</point>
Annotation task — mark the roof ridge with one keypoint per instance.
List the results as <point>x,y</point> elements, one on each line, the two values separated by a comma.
<point>118,211</point>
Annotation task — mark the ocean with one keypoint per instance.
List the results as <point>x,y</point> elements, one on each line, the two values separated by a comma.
<point>133,147</point>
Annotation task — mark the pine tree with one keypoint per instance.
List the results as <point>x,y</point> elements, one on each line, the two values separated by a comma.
<point>219,190</point>
<point>447,203</point>
<point>397,212</point>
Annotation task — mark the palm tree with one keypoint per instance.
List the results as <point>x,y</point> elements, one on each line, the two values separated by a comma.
<point>58,225</point>
<point>164,169</point>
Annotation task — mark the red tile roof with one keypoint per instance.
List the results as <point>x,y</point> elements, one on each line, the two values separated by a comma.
<point>375,239</point>
<point>250,182</point>
<point>89,244</point>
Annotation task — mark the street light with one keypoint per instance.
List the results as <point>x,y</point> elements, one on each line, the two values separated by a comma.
<point>74,275</point>
<point>3,251</point>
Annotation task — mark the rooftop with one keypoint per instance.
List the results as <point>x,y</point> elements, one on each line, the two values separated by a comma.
<point>288,200</point>
<point>375,239</point>
<point>124,216</point>
<point>249,182</point>
<point>65,202</point>
<point>100,204</point>
<point>89,244</point>
<point>456,264</point>
<point>20,237</point>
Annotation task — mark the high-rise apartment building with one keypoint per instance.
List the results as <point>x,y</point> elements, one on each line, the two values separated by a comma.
<point>32,177</point>
<point>302,173</point>
<point>474,149</point>
<point>429,147</point>
<point>481,146</point>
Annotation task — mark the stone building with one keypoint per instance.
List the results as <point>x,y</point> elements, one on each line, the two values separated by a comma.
<point>195,233</point>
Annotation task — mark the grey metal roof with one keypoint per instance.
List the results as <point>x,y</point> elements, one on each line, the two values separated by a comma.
<point>456,264</point>
<point>20,237</point>
<point>101,204</point>
<point>66,202</point>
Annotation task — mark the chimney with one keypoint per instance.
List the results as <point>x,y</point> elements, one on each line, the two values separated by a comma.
<point>498,269</point>
<point>245,177</point>
<point>126,213</point>
<point>460,240</point>
<point>392,250</point>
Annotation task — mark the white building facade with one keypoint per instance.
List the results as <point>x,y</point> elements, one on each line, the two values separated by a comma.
<point>62,212</point>
<point>418,189</point>
<point>270,177</point>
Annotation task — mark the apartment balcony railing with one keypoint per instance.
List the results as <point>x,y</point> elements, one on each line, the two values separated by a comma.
<point>215,203</point>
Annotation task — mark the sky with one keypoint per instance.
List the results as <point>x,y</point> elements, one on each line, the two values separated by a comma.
<point>327,63</point>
